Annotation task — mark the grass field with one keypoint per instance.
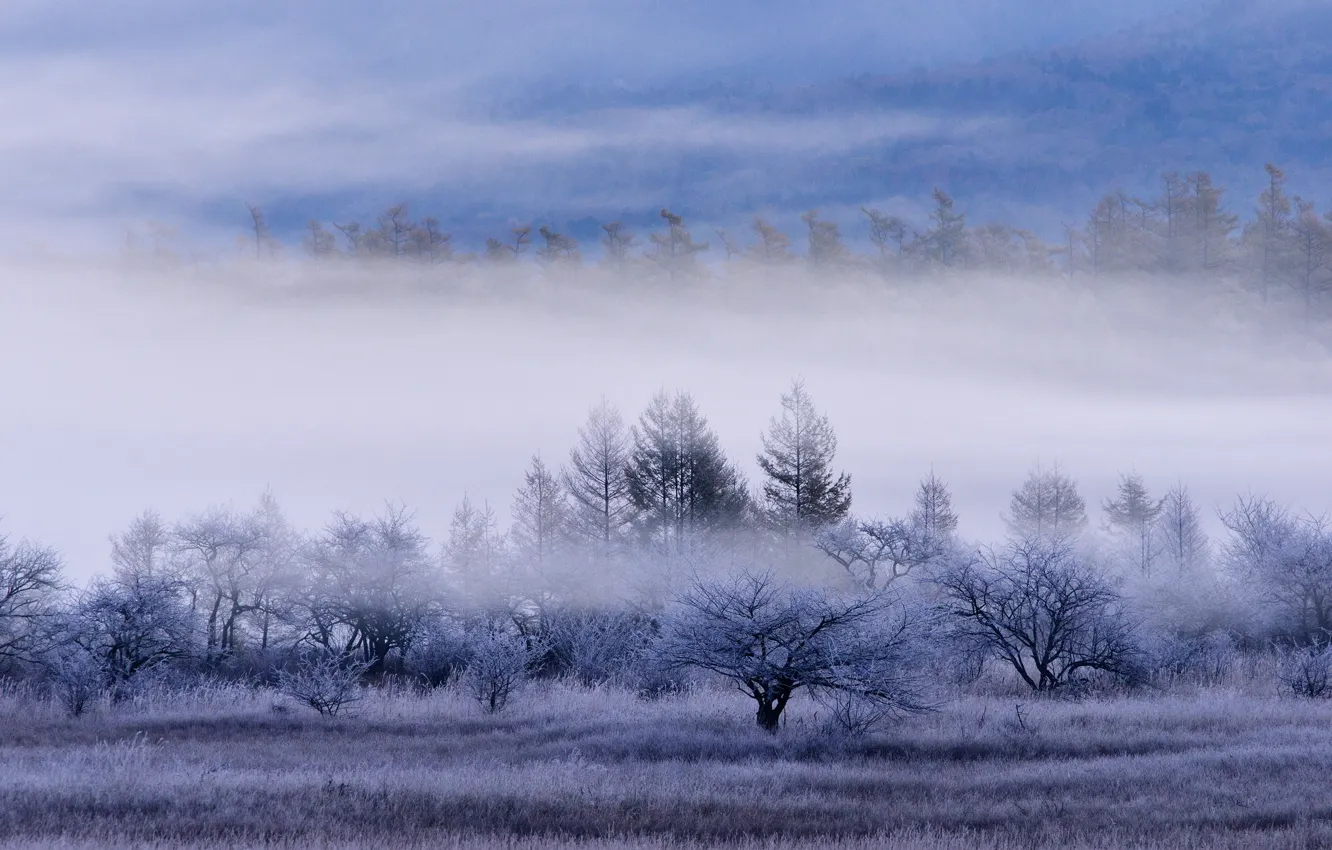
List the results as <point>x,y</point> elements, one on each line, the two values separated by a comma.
<point>220,767</point>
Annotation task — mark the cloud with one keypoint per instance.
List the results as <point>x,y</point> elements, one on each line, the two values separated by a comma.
<point>150,108</point>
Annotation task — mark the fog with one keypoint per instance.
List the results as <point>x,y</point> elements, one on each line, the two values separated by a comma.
<point>128,388</point>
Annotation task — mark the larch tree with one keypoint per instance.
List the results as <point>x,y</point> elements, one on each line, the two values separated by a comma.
<point>679,479</point>
<point>1131,517</point>
<point>773,246</point>
<point>1269,233</point>
<point>474,551</point>
<point>675,251</point>
<point>933,513</point>
<point>600,509</point>
<point>540,516</point>
<point>1184,544</point>
<point>1047,505</point>
<point>801,492</point>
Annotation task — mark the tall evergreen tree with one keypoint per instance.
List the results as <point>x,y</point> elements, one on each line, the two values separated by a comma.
<point>600,509</point>
<point>801,493</point>
<point>679,480</point>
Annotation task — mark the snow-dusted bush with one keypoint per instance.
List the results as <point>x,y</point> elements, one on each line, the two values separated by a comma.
<point>1308,673</point>
<point>324,681</point>
<point>499,663</point>
<point>437,653</point>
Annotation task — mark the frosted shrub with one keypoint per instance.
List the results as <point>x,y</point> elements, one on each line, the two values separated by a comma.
<point>437,654</point>
<point>325,681</point>
<point>499,664</point>
<point>1309,673</point>
<point>76,678</point>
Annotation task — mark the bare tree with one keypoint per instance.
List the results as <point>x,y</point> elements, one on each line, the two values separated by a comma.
<point>373,585</point>
<point>263,237</point>
<point>130,627</point>
<point>318,242</point>
<point>221,553</point>
<point>557,249</point>
<point>876,553</point>
<point>1043,609</point>
<point>325,681</point>
<point>825,241</point>
<point>773,246</point>
<point>771,640</point>
<point>29,582</point>
<point>933,513</point>
<point>889,234</point>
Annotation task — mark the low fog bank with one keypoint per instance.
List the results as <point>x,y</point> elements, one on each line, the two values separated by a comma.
<point>126,388</point>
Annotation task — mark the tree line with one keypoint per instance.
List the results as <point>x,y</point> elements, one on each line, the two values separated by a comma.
<point>647,554</point>
<point>1279,250</point>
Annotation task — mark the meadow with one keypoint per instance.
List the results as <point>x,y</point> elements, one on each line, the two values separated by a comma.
<point>1231,765</point>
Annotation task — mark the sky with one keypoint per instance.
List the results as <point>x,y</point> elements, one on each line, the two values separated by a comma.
<point>184,111</point>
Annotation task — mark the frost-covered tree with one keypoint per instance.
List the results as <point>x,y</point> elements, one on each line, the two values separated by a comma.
<point>801,491</point>
<point>1286,560</point>
<point>772,640</point>
<point>128,628</point>
<point>933,513</point>
<point>1184,545</point>
<point>1042,608</point>
<point>373,585</point>
<point>221,553</point>
<point>474,555</point>
<point>600,510</point>
<point>30,579</point>
<point>1131,517</point>
<point>1047,504</point>
<point>540,516</point>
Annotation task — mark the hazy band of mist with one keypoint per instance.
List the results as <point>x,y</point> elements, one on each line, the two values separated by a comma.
<point>340,388</point>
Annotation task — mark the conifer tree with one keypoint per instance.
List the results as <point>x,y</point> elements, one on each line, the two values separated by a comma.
<point>679,480</point>
<point>933,513</point>
<point>1131,516</point>
<point>1183,541</point>
<point>674,251</point>
<point>540,516</point>
<point>801,492</point>
<point>1047,505</point>
<point>600,508</point>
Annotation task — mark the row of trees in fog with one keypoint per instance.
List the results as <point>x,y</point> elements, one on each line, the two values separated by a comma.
<point>646,559</point>
<point>1279,246</point>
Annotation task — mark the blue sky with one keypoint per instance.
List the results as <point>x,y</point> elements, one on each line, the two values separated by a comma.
<point>138,109</point>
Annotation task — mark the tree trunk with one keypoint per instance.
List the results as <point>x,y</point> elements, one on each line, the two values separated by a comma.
<point>769,716</point>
